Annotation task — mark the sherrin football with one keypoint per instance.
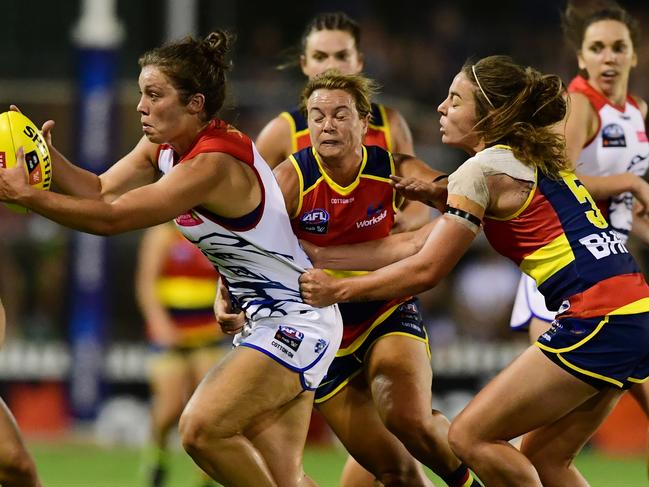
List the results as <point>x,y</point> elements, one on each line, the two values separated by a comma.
<point>16,130</point>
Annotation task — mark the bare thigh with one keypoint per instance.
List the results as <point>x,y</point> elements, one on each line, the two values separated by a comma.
<point>640,393</point>
<point>202,360</point>
<point>353,416</point>
<point>285,431</point>
<point>558,443</point>
<point>400,378</point>
<point>530,393</point>
<point>245,385</point>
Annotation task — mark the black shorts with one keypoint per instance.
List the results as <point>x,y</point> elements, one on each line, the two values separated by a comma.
<point>604,351</point>
<point>405,320</point>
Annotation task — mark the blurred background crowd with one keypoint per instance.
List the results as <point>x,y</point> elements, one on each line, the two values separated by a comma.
<point>412,48</point>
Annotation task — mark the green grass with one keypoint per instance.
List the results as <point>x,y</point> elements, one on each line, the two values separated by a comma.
<point>64,464</point>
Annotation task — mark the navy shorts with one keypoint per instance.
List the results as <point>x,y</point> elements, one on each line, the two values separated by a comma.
<point>604,351</point>
<point>405,320</point>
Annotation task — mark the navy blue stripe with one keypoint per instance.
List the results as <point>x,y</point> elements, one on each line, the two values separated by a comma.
<point>378,162</point>
<point>299,119</point>
<point>586,270</point>
<point>377,116</point>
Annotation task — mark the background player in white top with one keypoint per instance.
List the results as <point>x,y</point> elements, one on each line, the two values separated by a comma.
<point>246,423</point>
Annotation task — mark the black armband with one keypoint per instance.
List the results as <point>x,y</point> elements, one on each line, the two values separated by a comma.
<point>440,177</point>
<point>463,214</point>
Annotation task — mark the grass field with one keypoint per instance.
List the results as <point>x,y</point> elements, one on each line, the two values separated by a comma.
<point>85,465</point>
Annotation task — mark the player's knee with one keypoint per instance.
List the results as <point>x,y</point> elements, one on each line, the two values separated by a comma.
<point>403,421</point>
<point>460,439</point>
<point>547,464</point>
<point>194,432</point>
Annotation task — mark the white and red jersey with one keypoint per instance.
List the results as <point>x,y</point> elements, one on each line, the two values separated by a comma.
<point>620,145</point>
<point>257,255</point>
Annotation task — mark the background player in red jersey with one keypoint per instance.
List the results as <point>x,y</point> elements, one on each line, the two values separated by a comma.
<point>537,213</point>
<point>17,467</point>
<point>332,41</point>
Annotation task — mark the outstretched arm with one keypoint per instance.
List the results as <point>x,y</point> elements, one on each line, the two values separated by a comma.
<point>190,184</point>
<point>414,211</point>
<point>370,255</point>
<point>445,245</point>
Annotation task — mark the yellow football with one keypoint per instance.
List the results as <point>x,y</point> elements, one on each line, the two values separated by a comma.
<point>16,130</point>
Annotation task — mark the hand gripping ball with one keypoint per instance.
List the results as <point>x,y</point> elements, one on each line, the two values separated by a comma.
<point>16,130</point>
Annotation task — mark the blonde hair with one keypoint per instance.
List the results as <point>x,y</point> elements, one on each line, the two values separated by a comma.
<point>361,88</point>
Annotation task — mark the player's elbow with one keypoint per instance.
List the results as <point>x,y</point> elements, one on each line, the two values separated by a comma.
<point>424,278</point>
<point>110,224</point>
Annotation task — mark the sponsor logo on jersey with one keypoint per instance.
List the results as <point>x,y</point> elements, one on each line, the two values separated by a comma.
<point>290,337</point>
<point>315,221</point>
<point>604,244</point>
<point>642,136</point>
<point>282,348</point>
<point>320,345</point>
<point>372,221</point>
<point>189,219</point>
<point>3,159</point>
<point>613,136</point>
<point>342,201</point>
<point>374,210</point>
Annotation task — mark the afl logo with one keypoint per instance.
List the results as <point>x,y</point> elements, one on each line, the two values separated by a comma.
<point>613,136</point>
<point>315,221</point>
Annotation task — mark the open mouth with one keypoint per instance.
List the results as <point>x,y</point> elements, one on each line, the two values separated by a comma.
<point>609,74</point>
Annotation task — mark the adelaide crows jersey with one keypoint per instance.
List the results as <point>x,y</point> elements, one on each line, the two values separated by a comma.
<point>330,214</point>
<point>560,238</point>
<point>378,130</point>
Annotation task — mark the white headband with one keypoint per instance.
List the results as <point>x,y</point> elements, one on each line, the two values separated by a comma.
<point>479,86</point>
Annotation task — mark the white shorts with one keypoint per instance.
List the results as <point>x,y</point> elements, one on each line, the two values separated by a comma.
<point>529,304</point>
<point>305,343</point>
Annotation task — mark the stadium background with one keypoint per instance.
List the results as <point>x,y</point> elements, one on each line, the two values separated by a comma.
<point>413,50</point>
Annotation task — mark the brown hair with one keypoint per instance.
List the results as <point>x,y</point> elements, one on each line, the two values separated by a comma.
<point>323,21</point>
<point>517,106</point>
<point>195,66</point>
<point>360,87</point>
<point>332,21</point>
<point>575,20</point>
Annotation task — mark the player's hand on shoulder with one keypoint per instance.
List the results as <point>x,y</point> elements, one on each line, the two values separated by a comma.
<point>418,190</point>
